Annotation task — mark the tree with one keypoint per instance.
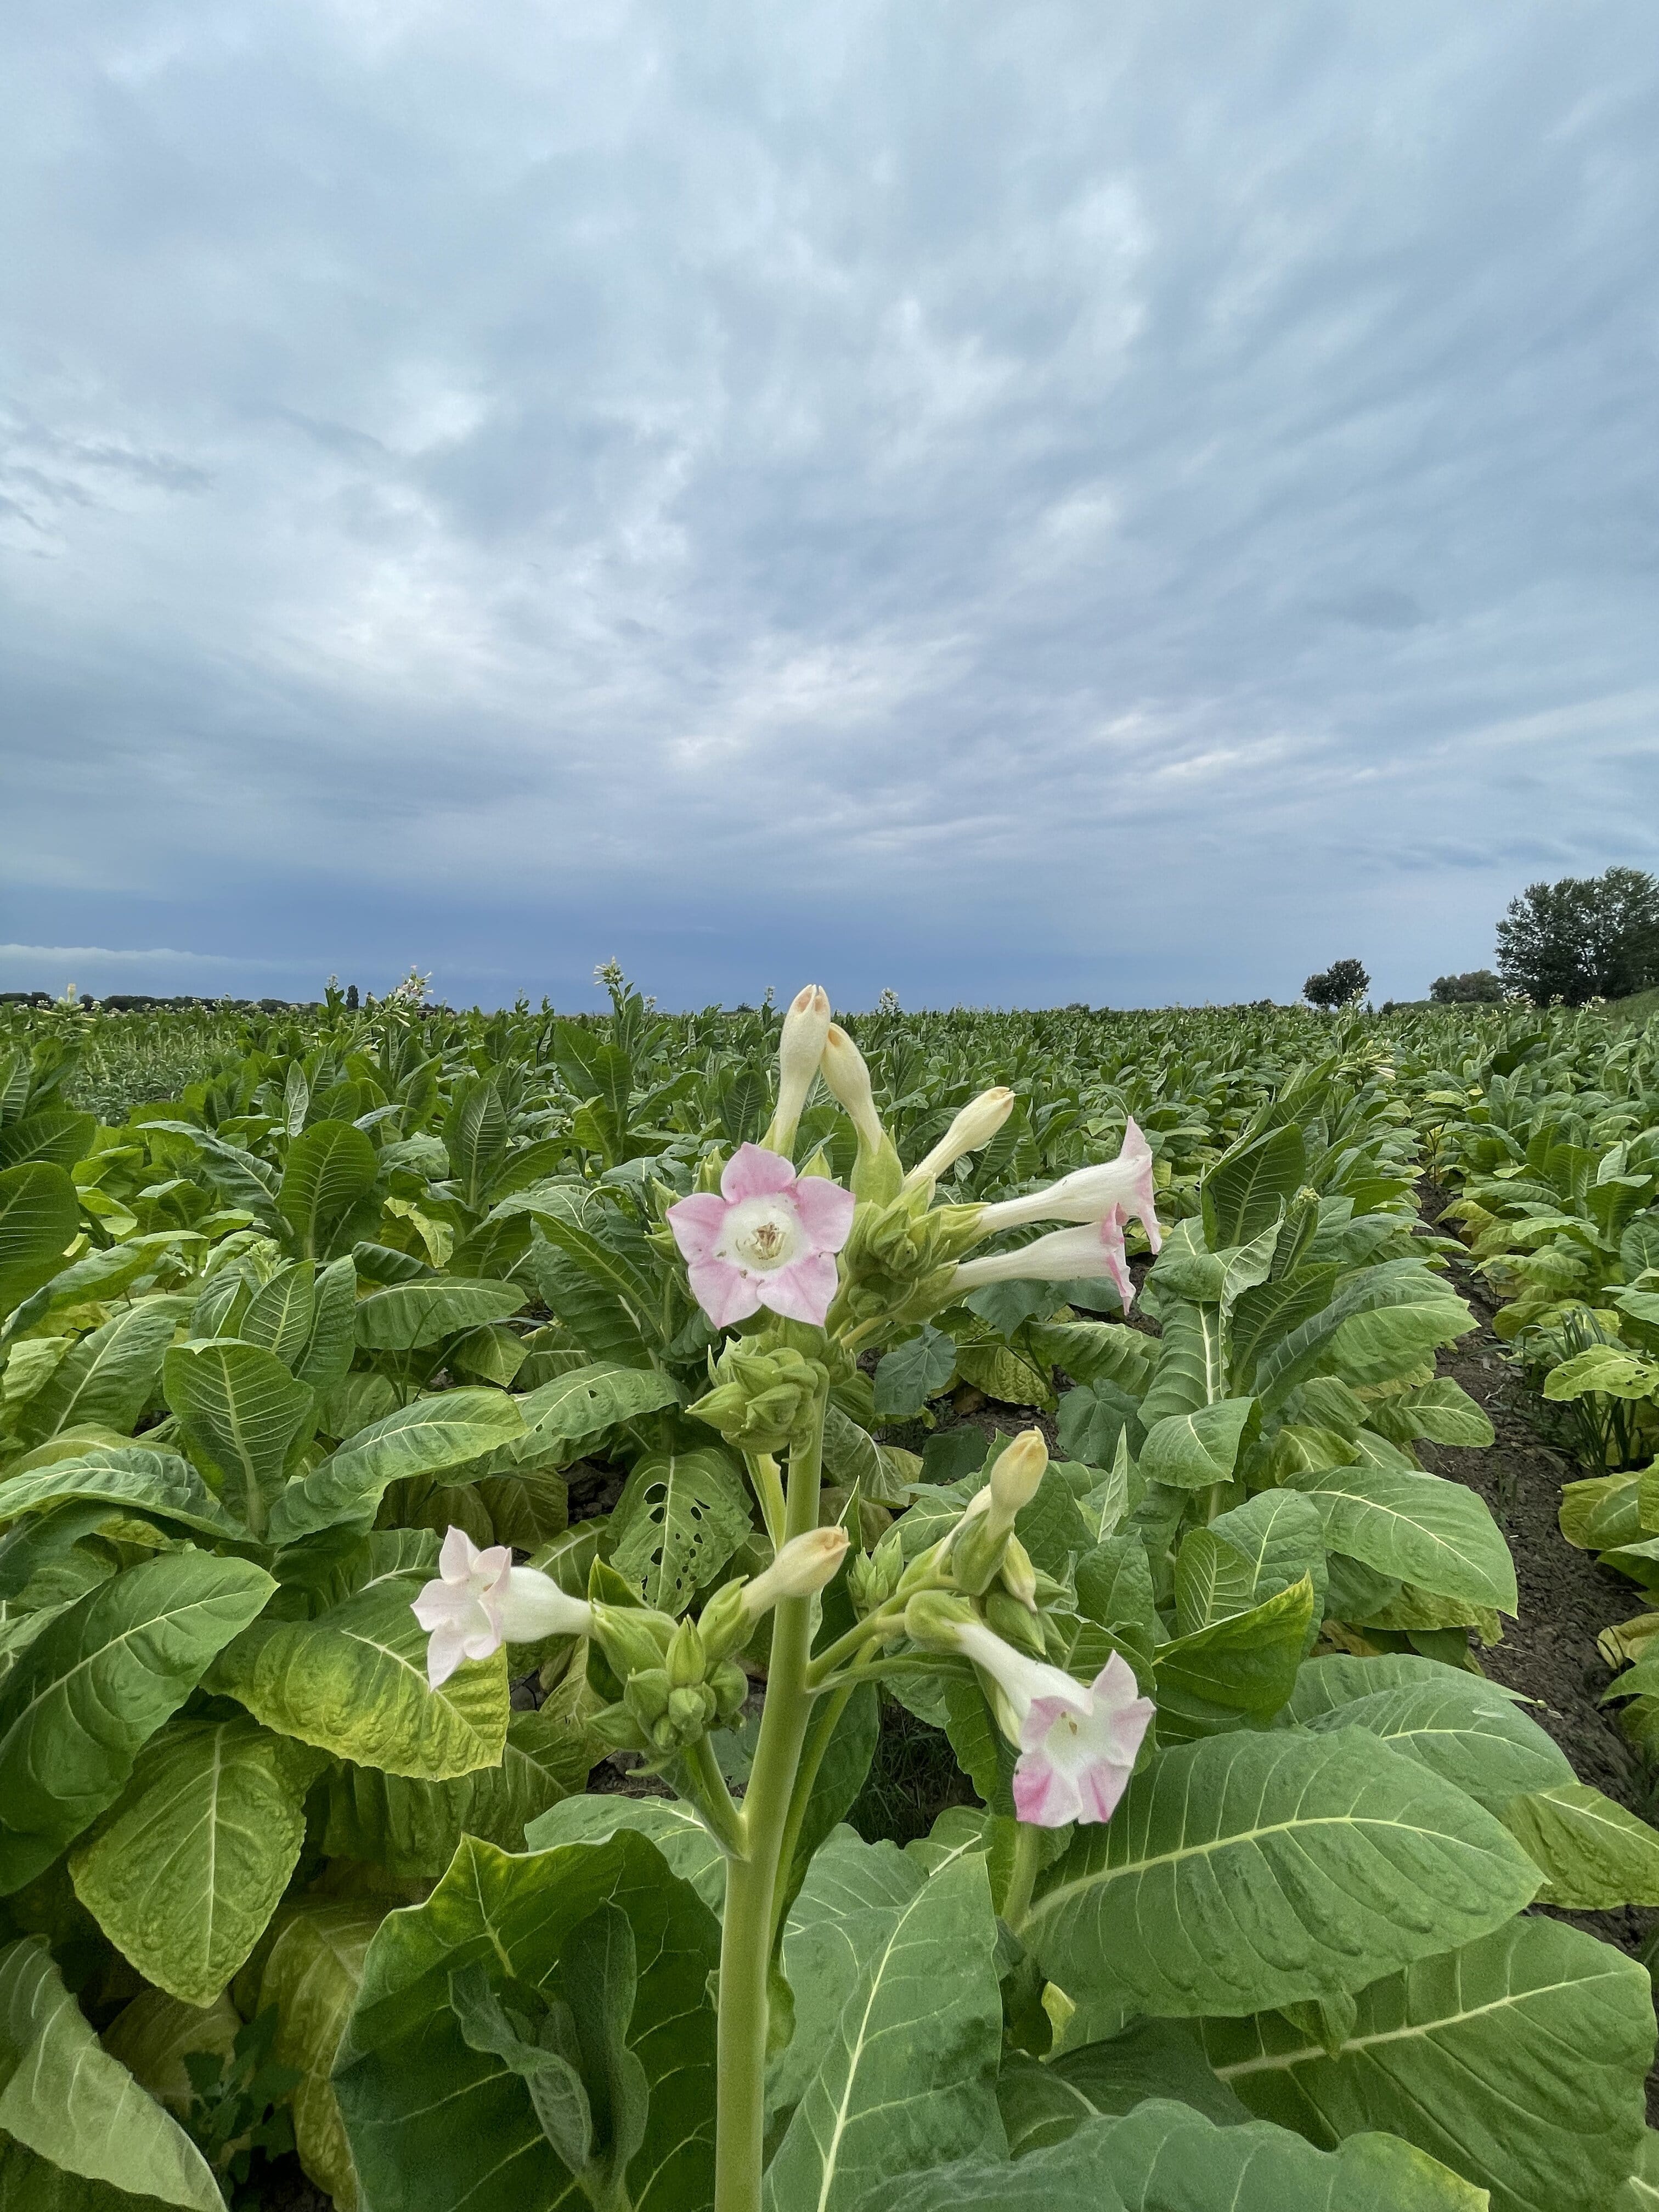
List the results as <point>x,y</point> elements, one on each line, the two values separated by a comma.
<point>1585,937</point>
<point>1479,987</point>
<point>1342,983</point>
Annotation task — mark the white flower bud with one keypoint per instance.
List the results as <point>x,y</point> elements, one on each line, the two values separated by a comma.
<point>1015,1474</point>
<point>805,1565</point>
<point>849,1079</point>
<point>800,1048</point>
<point>976,1125</point>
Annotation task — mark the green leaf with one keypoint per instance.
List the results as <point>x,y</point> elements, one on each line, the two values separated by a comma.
<point>691,1854</point>
<point>1426,1313</point>
<point>40,1215</point>
<point>604,1323</point>
<point>1239,1670</point>
<point>1518,2060</point>
<point>107,1379</point>
<point>1417,1527</point>
<point>1093,1351</point>
<point>1462,1727</point>
<point>242,1410</point>
<point>1191,1450</point>
<point>412,1314</point>
<point>152,2036</point>
<point>911,1374</point>
<point>329,1170</point>
<point>312,1974</point>
<point>1607,1369</point>
<point>1594,1855</point>
<point>606,1270</point>
<point>418,2101</point>
<point>52,1133</point>
<point>1602,1513</point>
<point>353,1682</point>
<point>127,1479</point>
<point>1249,1870</point>
<point>412,1828</point>
<point>96,1683</point>
<point>585,1401</point>
<point>185,1877</point>
<point>908,2077</point>
<point>680,1517</point>
<point>424,1438</point>
<point>1442,1411</point>
<point>280,1316</point>
<point>1192,1364</point>
<point>1338,1679</point>
<point>474,1135</point>
<point>63,2098</point>
<point>1246,1555</point>
<point>1246,1191</point>
<point>326,1359</point>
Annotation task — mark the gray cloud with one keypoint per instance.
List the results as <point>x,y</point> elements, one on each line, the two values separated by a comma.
<point>1034,503</point>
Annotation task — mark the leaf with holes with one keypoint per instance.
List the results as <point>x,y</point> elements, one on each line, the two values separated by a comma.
<point>681,1516</point>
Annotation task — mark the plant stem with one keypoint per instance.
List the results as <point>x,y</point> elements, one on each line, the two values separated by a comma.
<point>1022,1878</point>
<point>769,1489</point>
<point>824,1721</point>
<point>751,1881</point>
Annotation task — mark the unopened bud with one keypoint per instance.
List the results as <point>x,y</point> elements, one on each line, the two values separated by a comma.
<point>688,1661</point>
<point>1019,1576</point>
<point>1012,1621</point>
<point>922,1569</point>
<point>844,1071</point>
<point>800,1047</point>
<point>977,1550</point>
<point>725,1624</point>
<point>616,1728</point>
<point>1015,1475</point>
<point>730,1686</point>
<point>805,1565</point>
<point>633,1639</point>
<point>647,1696</point>
<point>976,1125</point>
<point>935,1620</point>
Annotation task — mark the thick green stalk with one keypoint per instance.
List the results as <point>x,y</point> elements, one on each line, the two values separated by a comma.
<point>1021,1876</point>
<point>751,1881</point>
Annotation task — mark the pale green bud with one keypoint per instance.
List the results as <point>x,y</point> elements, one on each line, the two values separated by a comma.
<point>933,1621</point>
<point>688,1661</point>
<point>1014,1623</point>
<point>800,1048</point>
<point>725,1624</point>
<point>1019,1575</point>
<point>633,1638</point>
<point>976,1125</point>
<point>843,1066</point>
<point>730,1686</point>
<point>1015,1474</point>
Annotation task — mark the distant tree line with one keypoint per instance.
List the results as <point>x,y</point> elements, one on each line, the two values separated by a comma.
<point>1586,936</point>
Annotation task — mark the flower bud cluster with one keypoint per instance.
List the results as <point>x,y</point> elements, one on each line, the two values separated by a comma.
<point>765,1393</point>
<point>900,1258</point>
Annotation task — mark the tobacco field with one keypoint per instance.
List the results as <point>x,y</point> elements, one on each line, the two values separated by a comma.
<point>1025,1724</point>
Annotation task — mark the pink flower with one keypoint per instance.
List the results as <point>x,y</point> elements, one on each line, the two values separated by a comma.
<point>1064,1255</point>
<point>1123,1185</point>
<point>769,1239</point>
<point>1078,1746</point>
<point>482,1600</point>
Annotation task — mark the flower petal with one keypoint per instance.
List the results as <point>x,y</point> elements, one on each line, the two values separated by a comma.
<point>802,1290</point>
<point>695,1222</point>
<point>725,1294</point>
<point>1043,1797</point>
<point>439,1602</point>
<point>826,1211</point>
<point>445,1650</point>
<point>753,1172</point>
<point>458,1557</point>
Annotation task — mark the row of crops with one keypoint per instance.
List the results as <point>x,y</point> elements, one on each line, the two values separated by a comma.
<point>282,1302</point>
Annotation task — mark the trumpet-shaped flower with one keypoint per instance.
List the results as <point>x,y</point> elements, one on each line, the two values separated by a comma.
<point>480,1600</point>
<point>1124,1184</point>
<point>1078,1745</point>
<point>1065,1255</point>
<point>768,1238</point>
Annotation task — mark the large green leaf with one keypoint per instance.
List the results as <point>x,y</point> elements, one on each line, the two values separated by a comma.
<point>1518,2060</point>
<point>1194,1449</point>
<point>1240,1558</point>
<point>96,1683</point>
<point>39,1214</point>
<point>419,2099</point>
<point>65,2099</point>
<point>1461,1728</point>
<point>912,1373</point>
<point>681,1516</point>
<point>412,1314</point>
<point>280,1316</point>
<point>242,1410</point>
<point>444,1431</point>
<point>1238,1669</point>
<point>1246,1870</point>
<point>185,1877</point>
<point>1044,2104</point>
<point>1594,1854</point>
<point>330,1168</point>
<point>326,1358</point>
<point>134,1477</point>
<point>1417,1528</point>
<point>1250,1186</point>
<point>312,1974</point>
<point>107,1380</point>
<point>691,1852</point>
<point>584,1401</point>
<point>1423,1313</point>
<point>908,2079</point>
<point>412,1828</point>
<point>53,1134</point>
<point>353,1682</point>
<point>610,1321</point>
<point>475,1134</point>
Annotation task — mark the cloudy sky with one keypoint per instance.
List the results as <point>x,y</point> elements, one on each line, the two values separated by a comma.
<point>1013,500</point>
